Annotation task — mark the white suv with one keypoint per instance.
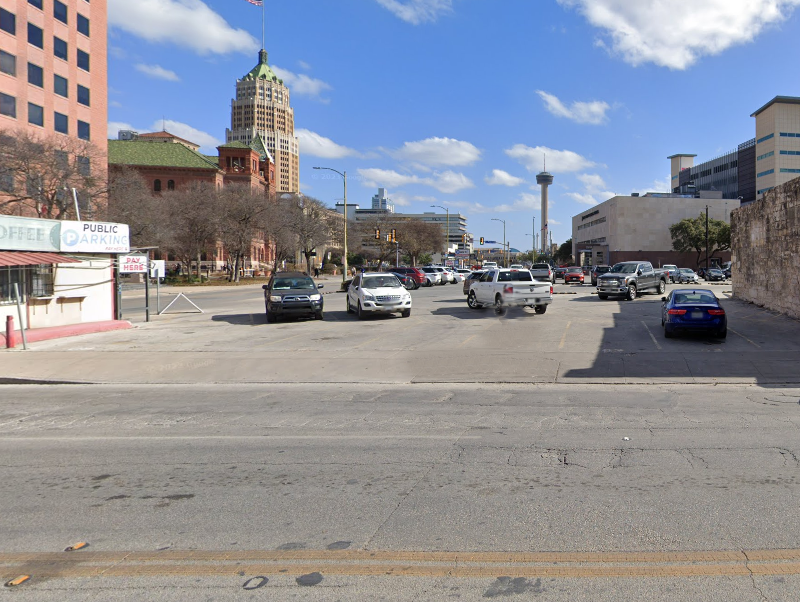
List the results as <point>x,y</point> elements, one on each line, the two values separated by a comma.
<point>377,292</point>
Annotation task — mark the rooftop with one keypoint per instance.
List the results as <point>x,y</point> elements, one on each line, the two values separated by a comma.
<point>786,100</point>
<point>262,69</point>
<point>147,154</point>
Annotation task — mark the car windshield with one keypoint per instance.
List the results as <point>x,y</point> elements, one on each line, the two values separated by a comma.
<point>287,283</point>
<point>695,297</point>
<point>381,282</point>
<point>574,270</point>
<point>686,271</point>
<point>539,266</point>
<point>603,270</point>
<point>625,268</point>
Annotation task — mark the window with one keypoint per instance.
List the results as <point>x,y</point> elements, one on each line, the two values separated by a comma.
<point>41,279</point>
<point>790,135</point>
<point>784,170</point>
<point>35,75</point>
<point>766,173</point>
<point>8,22</point>
<point>170,184</point>
<point>60,48</point>
<point>36,3</point>
<point>8,63</point>
<point>83,95</point>
<point>60,11</point>
<point>84,165</point>
<point>765,189</point>
<point>83,60</point>
<point>35,36</point>
<point>769,154</point>
<point>83,130</point>
<point>8,105</point>
<point>157,186</point>
<point>760,140</point>
<point>83,25</point>
<point>35,114</point>
<point>790,152</point>
<point>6,180</point>
<point>61,86</point>
<point>61,123</point>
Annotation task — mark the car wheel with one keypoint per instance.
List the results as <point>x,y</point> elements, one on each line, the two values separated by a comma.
<point>498,306</point>
<point>361,313</point>
<point>349,308</point>
<point>319,315</point>
<point>405,313</point>
<point>472,301</point>
<point>631,295</point>
<point>540,309</point>
<point>662,286</point>
<point>602,296</point>
<point>723,334</point>
<point>271,318</point>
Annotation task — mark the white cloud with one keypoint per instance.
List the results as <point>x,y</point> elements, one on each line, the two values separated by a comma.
<point>595,187</point>
<point>301,84</point>
<point>303,65</point>
<point>181,130</point>
<point>115,126</point>
<point>502,178</point>
<point>158,72</point>
<point>593,112</point>
<point>586,199</point>
<point>525,202</point>
<point>448,181</point>
<point>662,185</point>
<point>677,33</point>
<point>558,161</point>
<point>438,151</point>
<point>592,181</point>
<point>417,11</point>
<point>188,23</point>
<point>315,145</point>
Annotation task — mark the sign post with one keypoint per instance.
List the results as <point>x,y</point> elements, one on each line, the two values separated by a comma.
<point>136,263</point>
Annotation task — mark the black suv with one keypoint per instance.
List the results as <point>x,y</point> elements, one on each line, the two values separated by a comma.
<point>292,294</point>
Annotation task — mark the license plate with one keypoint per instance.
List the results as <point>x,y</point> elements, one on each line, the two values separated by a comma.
<point>696,315</point>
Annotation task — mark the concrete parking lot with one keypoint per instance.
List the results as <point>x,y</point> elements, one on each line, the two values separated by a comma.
<point>579,339</point>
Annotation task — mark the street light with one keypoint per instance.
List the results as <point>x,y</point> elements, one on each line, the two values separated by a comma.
<point>496,219</point>
<point>447,236</point>
<point>344,255</point>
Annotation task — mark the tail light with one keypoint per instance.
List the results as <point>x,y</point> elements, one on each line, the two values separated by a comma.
<point>551,290</point>
<point>716,312</point>
<point>508,288</point>
<point>676,312</point>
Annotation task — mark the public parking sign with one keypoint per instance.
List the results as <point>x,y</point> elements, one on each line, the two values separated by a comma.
<point>133,264</point>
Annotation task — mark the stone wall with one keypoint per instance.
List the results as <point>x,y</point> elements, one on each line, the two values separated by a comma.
<point>765,241</point>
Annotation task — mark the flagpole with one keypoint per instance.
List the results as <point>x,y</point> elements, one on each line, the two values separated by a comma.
<point>263,20</point>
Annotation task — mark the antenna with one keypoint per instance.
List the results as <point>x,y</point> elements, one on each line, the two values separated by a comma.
<point>544,161</point>
<point>164,123</point>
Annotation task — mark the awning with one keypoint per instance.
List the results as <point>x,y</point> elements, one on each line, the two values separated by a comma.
<point>17,258</point>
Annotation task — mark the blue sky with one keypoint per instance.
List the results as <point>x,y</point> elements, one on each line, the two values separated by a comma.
<point>453,102</point>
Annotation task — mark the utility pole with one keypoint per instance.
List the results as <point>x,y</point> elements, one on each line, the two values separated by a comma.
<point>706,241</point>
<point>495,219</point>
<point>447,235</point>
<point>344,255</point>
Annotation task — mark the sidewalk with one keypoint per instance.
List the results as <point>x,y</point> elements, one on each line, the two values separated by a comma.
<point>56,332</point>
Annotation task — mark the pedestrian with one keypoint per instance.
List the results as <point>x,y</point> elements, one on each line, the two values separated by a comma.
<point>316,272</point>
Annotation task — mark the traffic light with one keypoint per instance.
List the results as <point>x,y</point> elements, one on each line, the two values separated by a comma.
<point>394,235</point>
<point>481,239</point>
<point>377,234</point>
<point>464,238</point>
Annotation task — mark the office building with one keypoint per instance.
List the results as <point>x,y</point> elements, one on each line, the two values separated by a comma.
<point>382,201</point>
<point>262,108</point>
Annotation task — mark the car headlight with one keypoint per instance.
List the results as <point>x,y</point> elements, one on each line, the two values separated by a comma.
<point>275,298</point>
<point>369,297</point>
<point>315,297</point>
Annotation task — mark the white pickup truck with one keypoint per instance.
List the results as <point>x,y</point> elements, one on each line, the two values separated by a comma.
<point>504,288</point>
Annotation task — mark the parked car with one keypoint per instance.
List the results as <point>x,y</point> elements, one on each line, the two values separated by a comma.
<point>432,276</point>
<point>599,270</point>
<point>687,275</point>
<point>701,272</point>
<point>406,280</point>
<point>671,271</point>
<point>474,275</point>
<point>292,294</point>
<point>377,292</point>
<point>573,274</point>
<point>417,274</point>
<point>543,272</point>
<point>456,277</point>
<point>489,265</point>
<point>504,288</point>
<point>629,278</point>
<point>559,272</point>
<point>516,266</point>
<point>727,272</point>
<point>714,275</point>
<point>692,310</point>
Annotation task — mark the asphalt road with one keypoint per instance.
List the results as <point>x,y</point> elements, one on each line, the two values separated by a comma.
<point>576,455</point>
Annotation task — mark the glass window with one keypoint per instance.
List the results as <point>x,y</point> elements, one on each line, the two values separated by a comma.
<point>60,48</point>
<point>83,95</point>
<point>60,11</point>
<point>83,25</point>
<point>35,114</point>
<point>35,35</point>
<point>35,75</point>
<point>61,123</point>
<point>83,130</point>
<point>8,63</point>
<point>157,186</point>
<point>760,140</point>
<point>6,180</point>
<point>83,60</point>
<point>784,170</point>
<point>171,185</point>
<point>8,105</point>
<point>36,3</point>
<point>84,166</point>
<point>8,22</point>
<point>766,173</point>
<point>61,86</point>
<point>41,284</point>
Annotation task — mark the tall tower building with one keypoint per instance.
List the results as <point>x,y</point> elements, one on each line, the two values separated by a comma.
<point>262,107</point>
<point>544,180</point>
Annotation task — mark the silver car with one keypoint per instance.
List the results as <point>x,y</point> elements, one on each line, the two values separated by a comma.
<point>686,275</point>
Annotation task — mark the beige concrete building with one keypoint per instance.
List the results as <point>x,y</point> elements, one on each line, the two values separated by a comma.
<point>637,227</point>
<point>777,143</point>
<point>262,106</point>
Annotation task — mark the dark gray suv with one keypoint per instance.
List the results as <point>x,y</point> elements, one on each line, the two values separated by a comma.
<point>292,294</point>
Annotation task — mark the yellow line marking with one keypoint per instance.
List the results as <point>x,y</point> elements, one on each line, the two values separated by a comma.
<point>564,336</point>
<point>378,338</point>
<point>467,340</point>
<point>756,345</point>
<point>651,335</point>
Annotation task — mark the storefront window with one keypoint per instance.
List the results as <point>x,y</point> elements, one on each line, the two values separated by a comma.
<point>33,281</point>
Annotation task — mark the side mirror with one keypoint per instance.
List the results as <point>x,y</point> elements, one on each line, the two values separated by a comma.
<point>663,299</point>
<point>264,286</point>
<point>320,286</point>
<point>639,273</point>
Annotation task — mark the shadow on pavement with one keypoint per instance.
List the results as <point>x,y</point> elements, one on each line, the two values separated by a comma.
<point>465,313</point>
<point>241,319</point>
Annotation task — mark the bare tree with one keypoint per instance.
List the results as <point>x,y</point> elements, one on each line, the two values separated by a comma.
<point>241,220</point>
<point>130,201</point>
<point>374,236</point>
<point>192,215</point>
<point>275,226</point>
<point>310,221</point>
<point>418,237</point>
<point>38,173</point>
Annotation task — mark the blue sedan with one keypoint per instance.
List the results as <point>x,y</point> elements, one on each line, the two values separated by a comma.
<point>693,310</point>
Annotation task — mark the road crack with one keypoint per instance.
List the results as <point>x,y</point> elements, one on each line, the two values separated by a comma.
<point>752,576</point>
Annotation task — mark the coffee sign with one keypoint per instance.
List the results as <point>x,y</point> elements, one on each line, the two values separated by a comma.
<point>27,234</point>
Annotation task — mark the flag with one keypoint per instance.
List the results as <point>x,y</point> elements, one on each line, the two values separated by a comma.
<point>256,2</point>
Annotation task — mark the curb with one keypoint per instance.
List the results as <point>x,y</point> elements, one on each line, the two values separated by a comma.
<point>58,332</point>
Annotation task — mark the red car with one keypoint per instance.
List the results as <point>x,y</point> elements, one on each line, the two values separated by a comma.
<point>573,274</point>
<point>415,273</point>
